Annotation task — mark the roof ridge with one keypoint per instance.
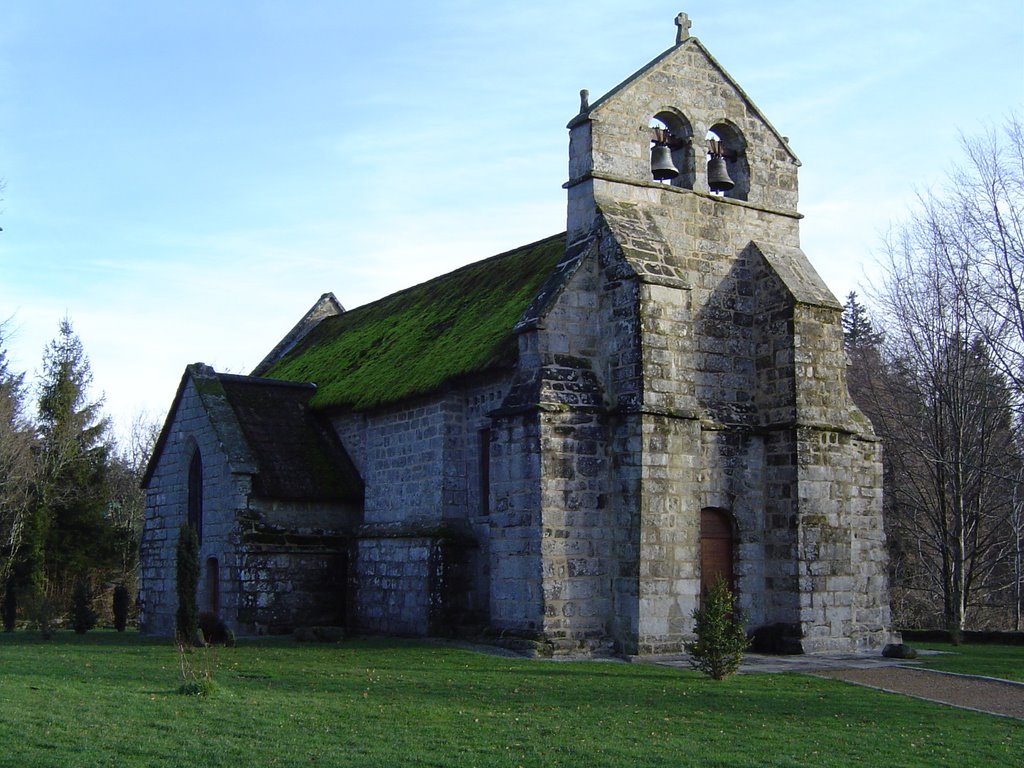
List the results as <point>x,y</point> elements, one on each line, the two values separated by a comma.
<point>457,270</point>
<point>247,379</point>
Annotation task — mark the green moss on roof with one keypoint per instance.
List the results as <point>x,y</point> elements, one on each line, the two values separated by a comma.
<point>416,340</point>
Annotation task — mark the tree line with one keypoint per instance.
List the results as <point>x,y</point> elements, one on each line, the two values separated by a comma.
<point>940,373</point>
<point>70,501</point>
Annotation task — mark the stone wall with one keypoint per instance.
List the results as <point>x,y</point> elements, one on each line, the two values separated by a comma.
<point>264,566</point>
<point>394,584</point>
<point>516,598</point>
<point>282,587</point>
<point>422,469</point>
<point>224,494</point>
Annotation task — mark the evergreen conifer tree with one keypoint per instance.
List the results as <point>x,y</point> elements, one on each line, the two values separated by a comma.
<point>121,607</point>
<point>721,638</point>
<point>69,535</point>
<point>188,580</point>
<point>83,617</point>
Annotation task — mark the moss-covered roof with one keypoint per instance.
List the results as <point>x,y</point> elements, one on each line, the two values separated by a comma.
<point>416,340</point>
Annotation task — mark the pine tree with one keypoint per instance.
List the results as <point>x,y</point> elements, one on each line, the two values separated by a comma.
<point>70,536</point>
<point>866,374</point>
<point>858,332</point>
<point>83,617</point>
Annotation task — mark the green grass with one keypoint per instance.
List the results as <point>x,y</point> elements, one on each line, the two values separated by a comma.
<point>108,699</point>
<point>1005,661</point>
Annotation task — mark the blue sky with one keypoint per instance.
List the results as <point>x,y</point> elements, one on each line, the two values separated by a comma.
<point>183,180</point>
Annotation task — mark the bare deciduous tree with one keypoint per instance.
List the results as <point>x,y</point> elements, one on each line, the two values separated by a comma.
<point>17,468</point>
<point>949,404</point>
<point>982,220</point>
<point>127,499</point>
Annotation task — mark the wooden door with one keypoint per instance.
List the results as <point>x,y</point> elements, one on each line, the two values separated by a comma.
<point>716,549</point>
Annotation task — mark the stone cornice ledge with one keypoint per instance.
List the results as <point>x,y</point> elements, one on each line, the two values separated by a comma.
<point>451,530</point>
<point>602,176</point>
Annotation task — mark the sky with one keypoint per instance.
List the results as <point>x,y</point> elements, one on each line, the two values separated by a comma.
<point>184,180</point>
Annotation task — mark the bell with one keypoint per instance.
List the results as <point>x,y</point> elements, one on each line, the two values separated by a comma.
<point>662,166</point>
<point>718,175</point>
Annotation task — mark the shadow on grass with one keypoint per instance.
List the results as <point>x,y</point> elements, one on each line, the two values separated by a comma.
<point>95,638</point>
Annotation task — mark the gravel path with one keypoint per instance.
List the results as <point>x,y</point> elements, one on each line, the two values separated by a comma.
<point>997,697</point>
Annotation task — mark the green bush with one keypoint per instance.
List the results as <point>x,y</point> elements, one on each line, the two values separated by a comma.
<point>187,617</point>
<point>721,638</point>
<point>42,611</point>
<point>10,607</point>
<point>201,686</point>
<point>83,617</point>
<point>122,602</point>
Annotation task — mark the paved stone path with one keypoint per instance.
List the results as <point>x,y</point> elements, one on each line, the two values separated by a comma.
<point>811,662</point>
<point>984,694</point>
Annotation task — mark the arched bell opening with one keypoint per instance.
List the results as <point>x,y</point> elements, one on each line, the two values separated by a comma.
<point>728,173</point>
<point>671,147</point>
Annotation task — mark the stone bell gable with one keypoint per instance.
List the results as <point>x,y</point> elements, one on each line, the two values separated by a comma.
<point>565,443</point>
<point>677,99</point>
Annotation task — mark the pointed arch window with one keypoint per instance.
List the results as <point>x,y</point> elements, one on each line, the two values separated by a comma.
<point>195,494</point>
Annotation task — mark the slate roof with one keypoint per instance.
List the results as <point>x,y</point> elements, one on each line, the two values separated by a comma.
<point>266,429</point>
<point>299,457</point>
<point>415,341</point>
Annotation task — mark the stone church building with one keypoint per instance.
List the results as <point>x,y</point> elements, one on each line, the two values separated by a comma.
<point>564,442</point>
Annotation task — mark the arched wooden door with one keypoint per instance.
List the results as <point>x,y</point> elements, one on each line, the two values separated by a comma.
<point>716,549</point>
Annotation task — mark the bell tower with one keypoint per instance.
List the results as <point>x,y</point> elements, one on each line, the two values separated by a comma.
<point>718,352</point>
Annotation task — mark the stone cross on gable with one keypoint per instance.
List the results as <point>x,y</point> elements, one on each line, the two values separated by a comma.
<point>684,24</point>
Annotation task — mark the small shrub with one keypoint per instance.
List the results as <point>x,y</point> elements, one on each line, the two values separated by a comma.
<point>215,631</point>
<point>899,651</point>
<point>187,560</point>
<point>121,604</point>
<point>41,609</point>
<point>10,607</point>
<point>721,639</point>
<point>199,687</point>
<point>83,618</point>
<point>196,679</point>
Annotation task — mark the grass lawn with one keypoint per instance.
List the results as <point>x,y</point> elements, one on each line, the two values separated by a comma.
<point>109,699</point>
<point>1005,661</point>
